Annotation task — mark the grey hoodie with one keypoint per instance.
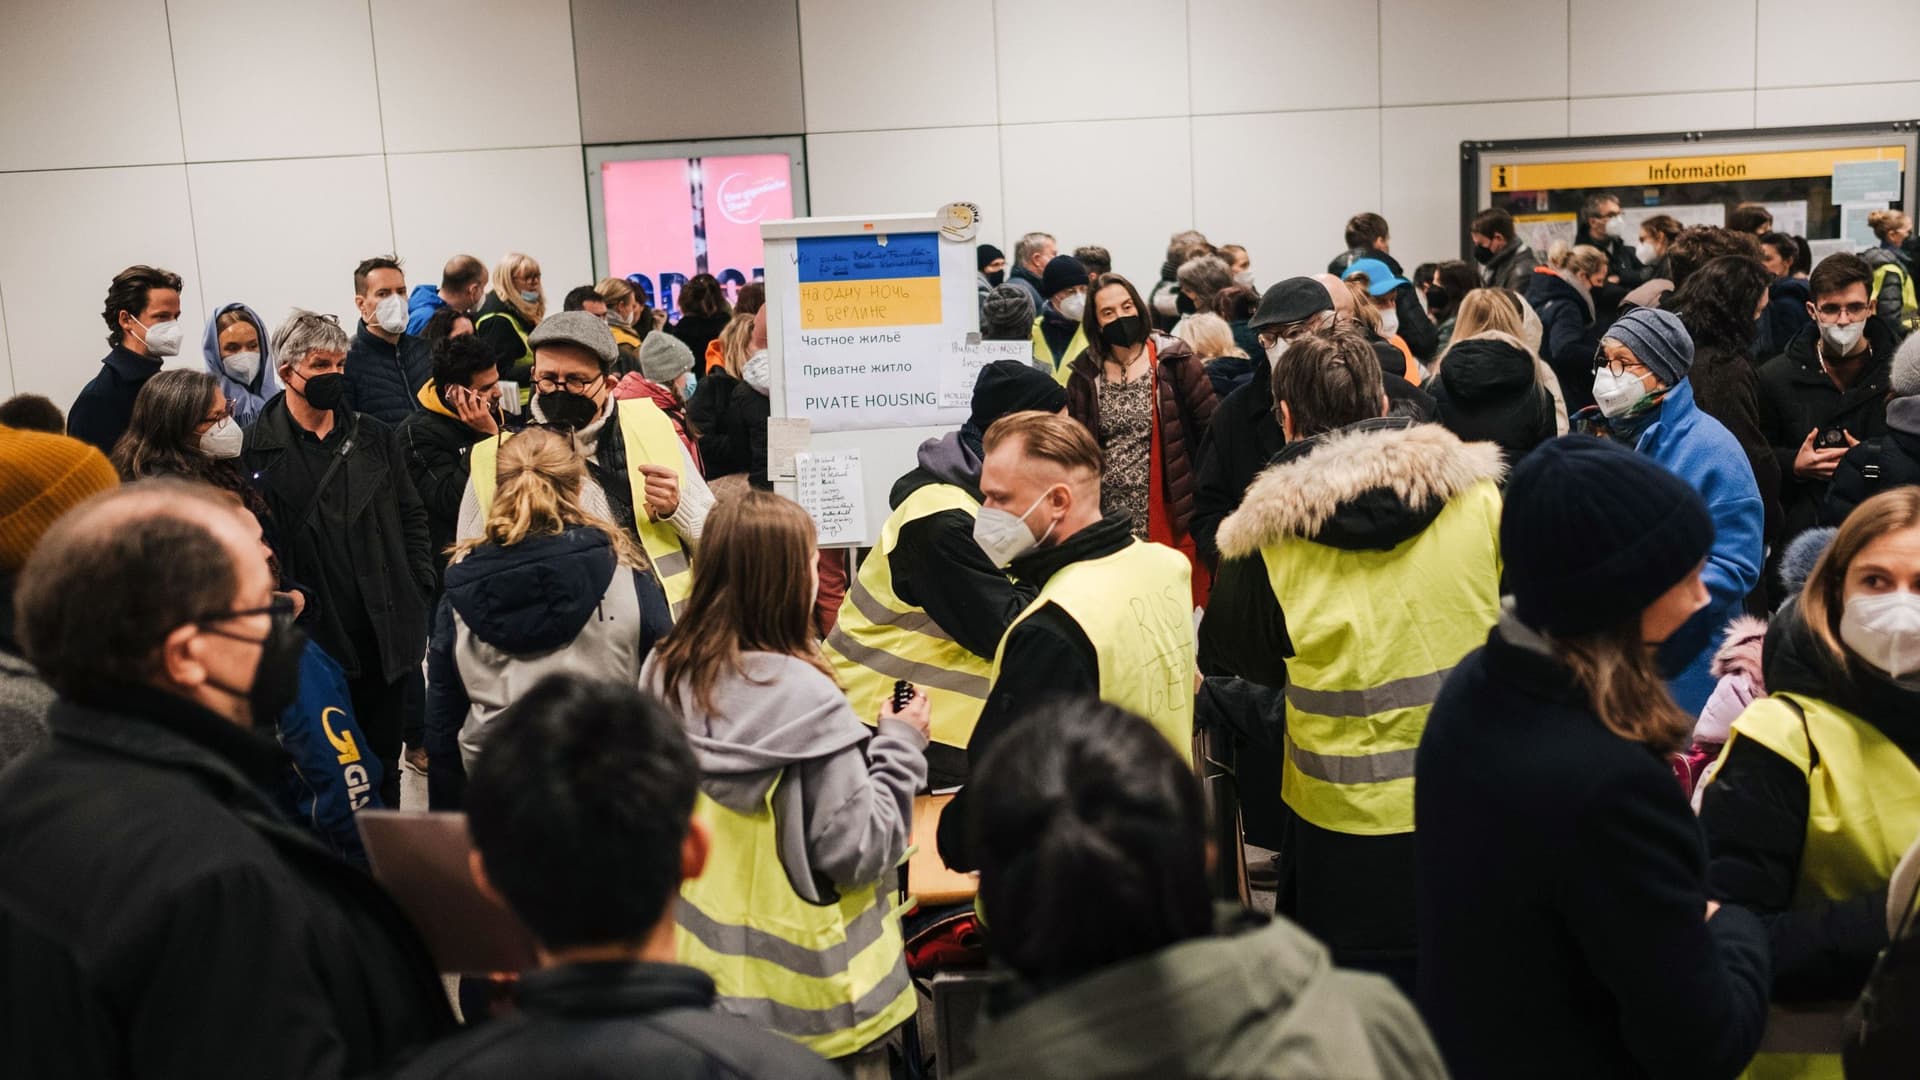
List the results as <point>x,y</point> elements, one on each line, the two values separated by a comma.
<point>845,806</point>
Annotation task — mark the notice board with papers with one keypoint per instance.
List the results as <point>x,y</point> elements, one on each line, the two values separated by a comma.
<point>1809,178</point>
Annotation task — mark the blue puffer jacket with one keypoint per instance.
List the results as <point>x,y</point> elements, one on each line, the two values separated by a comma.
<point>384,380</point>
<point>1698,449</point>
<point>422,302</point>
<point>246,397</point>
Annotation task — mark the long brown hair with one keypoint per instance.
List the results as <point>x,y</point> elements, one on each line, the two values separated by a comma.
<point>1824,596</point>
<point>541,476</point>
<point>1090,319</point>
<point>1624,686</point>
<point>160,440</point>
<point>752,592</point>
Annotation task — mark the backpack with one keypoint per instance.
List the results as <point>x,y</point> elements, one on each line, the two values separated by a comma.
<point>1883,1027</point>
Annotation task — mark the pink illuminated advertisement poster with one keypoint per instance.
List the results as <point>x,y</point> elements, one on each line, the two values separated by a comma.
<point>670,219</point>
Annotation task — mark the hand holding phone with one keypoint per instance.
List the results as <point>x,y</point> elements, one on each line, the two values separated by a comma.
<point>911,706</point>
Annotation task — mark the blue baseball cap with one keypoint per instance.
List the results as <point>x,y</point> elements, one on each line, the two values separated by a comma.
<point>1381,280</point>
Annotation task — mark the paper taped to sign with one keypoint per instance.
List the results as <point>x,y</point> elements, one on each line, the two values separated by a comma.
<point>1789,217</point>
<point>1862,182</point>
<point>786,437</point>
<point>963,366</point>
<point>833,492</point>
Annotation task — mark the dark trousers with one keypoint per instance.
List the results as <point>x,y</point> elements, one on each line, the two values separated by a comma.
<point>1355,893</point>
<point>381,708</point>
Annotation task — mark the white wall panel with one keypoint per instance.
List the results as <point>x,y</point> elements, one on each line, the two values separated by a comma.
<point>326,213</point>
<point>1420,166</point>
<point>86,83</point>
<point>1809,45</point>
<point>443,85</point>
<point>6,356</point>
<point>1055,182</point>
<point>926,168</point>
<point>286,78</point>
<point>1436,51</point>
<point>1289,218</point>
<point>489,202</point>
<point>917,64</point>
<point>1277,55</point>
<point>1655,46</point>
<point>1837,104</point>
<point>1119,59</point>
<point>62,250</point>
<point>1660,112</point>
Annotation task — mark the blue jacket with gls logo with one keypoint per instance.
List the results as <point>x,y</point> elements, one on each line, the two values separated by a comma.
<point>333,775</point>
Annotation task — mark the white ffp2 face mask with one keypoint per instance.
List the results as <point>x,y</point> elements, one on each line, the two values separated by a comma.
<point>1073,307</point>
<point>243,366</point>
<point>1389,322</point>
<point>1645,253</point>
<point>391,313</point>
<point>161,339</point>
<point>1884,630</point>
<point>1842,338</point>
<point>1004,536</point>
<point>223,440</point>
<point>1617,394</point>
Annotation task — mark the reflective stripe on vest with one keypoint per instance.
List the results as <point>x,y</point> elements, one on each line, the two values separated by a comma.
<point>1062,364</point>
<point>1375,634</point>
<point>650,440</point>
<point>881,638</point>
<point>1863,812</point>
<point>830,976</point>
<point>1135,608</point>
<point>522,367</point>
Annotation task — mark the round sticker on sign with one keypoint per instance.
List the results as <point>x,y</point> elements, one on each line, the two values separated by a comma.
<point>959,221</point>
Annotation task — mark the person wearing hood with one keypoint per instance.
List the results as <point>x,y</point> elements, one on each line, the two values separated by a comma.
<point>463,287</point>
<point>1093,843</point>
<point>1645,403</point>
<point>460,407</point>
<point>1550,825</point>
<point>666,378</point>
<point>1562,293</point>
<point>1828,391</point>
<point>1891,460</point>
<point>992,270</point>
<point>809,808</point>
<point>1112,616</point>
<point>1360,567</point>
<point>386,366</point>
<point>548,587</point>
<point>1817,794</point>
<point>1506,262</point>
<point>1059,335</point>
<point>928,605</point>
<point>237,355</point>
<point>1487,392</point>
<point>751,405</point>
<point>639,476</point>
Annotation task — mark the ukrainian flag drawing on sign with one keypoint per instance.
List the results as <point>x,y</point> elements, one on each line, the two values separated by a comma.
<point>850,282</point>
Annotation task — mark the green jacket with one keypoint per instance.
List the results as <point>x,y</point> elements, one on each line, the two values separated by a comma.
<point>1258,999</point>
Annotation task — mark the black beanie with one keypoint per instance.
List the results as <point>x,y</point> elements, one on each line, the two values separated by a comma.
<point>1062,272</point>
<point>1009,386</point>
<point>1592,533</point>
<point>985,254</point>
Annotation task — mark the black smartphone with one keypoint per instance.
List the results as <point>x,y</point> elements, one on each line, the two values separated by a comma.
<point>1830,439</point>
<point>903,692</point>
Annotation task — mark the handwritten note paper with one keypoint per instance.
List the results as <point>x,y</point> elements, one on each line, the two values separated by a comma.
<point>964,362</point>
<point>786,436</point>
<point>833,492</point>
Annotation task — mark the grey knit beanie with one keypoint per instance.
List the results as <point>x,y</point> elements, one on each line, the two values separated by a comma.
<point>1007,315</point>
<point>1658,339</point>
<point>664,358</point>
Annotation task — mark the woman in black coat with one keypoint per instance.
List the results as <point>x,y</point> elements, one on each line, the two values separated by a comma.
<point>1564,923</point>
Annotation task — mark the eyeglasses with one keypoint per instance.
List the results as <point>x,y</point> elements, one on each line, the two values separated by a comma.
<point>1834,311</point>
<point>1621,367</point>
<point>281,607</point>
<point>1292,331</point>
<point>224,412</point>
<point>575,384</point>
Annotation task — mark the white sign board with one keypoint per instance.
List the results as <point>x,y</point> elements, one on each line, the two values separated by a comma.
<point>832,492</point>
<point>957,378</point>
<point>1865,182</point>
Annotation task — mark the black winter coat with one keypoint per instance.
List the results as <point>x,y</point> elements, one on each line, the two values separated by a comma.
<point>438,449</point>
<point>610,1019</point>
<point>160,918</point>
<point>510,354</point>
<point>1726,386</point>
<point>710,411</point>
<point>1755,811</point>
<point>1890,461</point>
<point>1796,397</point>
<point>385,544</point>
<point>1242,438</point>
<point>698,332</point>
<point>383,380</point>
<point>746,428</point>
<point>1569,336</point>
<point>100,414</point>
<point>1562,876</point>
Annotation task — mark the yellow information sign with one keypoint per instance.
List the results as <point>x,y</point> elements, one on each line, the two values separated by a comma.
<point>848,305</point>
<point>1705,168</point>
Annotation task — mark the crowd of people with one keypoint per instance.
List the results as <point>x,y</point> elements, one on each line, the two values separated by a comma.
<point>1555,616</point>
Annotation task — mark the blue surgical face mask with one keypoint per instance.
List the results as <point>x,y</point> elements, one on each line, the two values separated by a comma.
<point>529,297</point>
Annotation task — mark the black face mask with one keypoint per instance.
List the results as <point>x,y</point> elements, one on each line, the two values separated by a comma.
<point>276,681</point>
<point>325,392</point>
<point>1124,332</point>
<point>1437,298</point>
<point>1183,303</point>
<point>1482,254</point>
<point>565,409</point>
<point>996,278</point>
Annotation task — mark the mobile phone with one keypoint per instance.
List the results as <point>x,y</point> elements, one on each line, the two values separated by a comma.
<point>903,693</point>
<point>1830,439</point>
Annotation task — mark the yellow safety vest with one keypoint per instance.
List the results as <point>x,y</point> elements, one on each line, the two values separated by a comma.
<point>522,369</point>
<point>1863,812</point>
<point>1062,364</point>
<point>832,977</point>
<point>1375,634</point>
<point>650,440</point>
<point>881,638</point>
<point>1135,608</point>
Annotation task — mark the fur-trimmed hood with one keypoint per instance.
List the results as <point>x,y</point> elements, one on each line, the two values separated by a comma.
<point>1368,486</point>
